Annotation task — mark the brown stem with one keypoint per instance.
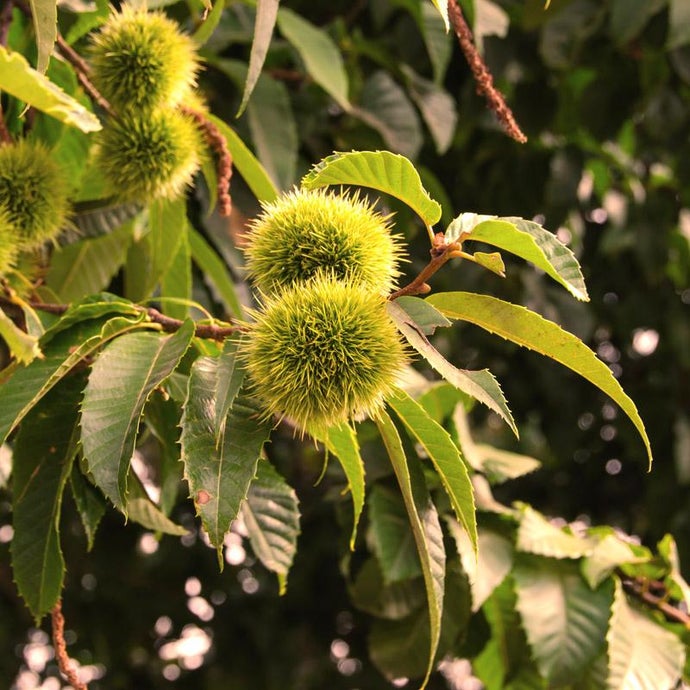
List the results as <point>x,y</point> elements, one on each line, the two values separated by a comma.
<point>482,76</point>
<point>640,588</point>
<point>65,664</point>
<point>5,136</point>
<point>217,142</point>
<point>207,331</point>
<point>440,254</point>
<point>82,71</point>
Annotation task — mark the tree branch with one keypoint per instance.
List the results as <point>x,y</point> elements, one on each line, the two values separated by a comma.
<point>482,76</point>
<point>65,664</point>
<point>641,588</point>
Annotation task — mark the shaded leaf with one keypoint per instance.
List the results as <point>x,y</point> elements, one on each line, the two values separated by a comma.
<point>528,329</point>
<point>537,535</point>
<point>219,473</point>
<point>390,536</point>
<point>480,385</point>
<point>528,240</point>
<point>679,24</point>
<point>642,654</point>
<point>44,14</point>
<point>21,81</point>
<point>320,54</point>
<point>93,219</point>
<point>142,510</point>
<point>442,8</point>
<point>382,170</point>
<point>121,381</point>
<point>176,282</point>
<point>167,224</point>
<point>425,528</point>
<point>207,27</point>
<point>609,553</point>
<point>271,516</point>
<point>629,17</point>
<point>444,455</point>
<point>43,454</point>
<point>423,315</point>
<point>438,42</point>
<point>229,378</point>
<point>90,502</point>
<point>565,621</point>
<point>265,19</point>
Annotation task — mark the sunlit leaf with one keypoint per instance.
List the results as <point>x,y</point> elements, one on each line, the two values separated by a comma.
<point>121,380</point>
<point>642,654</point>
<point>608,554</point>
<point>22,346</point>
<point>425,528</point>
<point>44,14</point>
<point>530,330</point>
<point>565,621</point>
<point>537,535</point>
<point>320,54</point>
<point>266,14</point>
<point>387,172</point>
<point>480,385</point>
<point>21,81</point>
<point>442,8</point>
<point>271,516</point>
<point>525,239</point>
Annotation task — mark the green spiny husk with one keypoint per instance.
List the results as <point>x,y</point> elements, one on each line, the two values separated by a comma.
<point>306,232</point>
<point>144,157</point>
<point>323,352</point>
<point>33,192</point>
<point>141,60</point>
<point>9,242</point>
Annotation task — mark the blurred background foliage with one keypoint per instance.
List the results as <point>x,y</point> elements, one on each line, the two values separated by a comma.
<point>602,90</point>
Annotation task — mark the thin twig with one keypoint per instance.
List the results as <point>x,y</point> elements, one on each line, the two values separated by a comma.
<point>482,76</point>
<point>5,21</point>
<point>82,71</point>
<point>641,589</point>
<point>217,142</point>
<point>440,254</point>
<point>65,664</point>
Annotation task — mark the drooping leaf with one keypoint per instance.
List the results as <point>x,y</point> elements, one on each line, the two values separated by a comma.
<point>219,474</point>
<point>565,621</point>
<point>525,239</point>
<point>387,172</point>
<point>442,8</point>
<point>87,21</point>
<point>384,105</point>
<point>44,14</point>
<point>121,381</point>
<point>528,329</point>
<point>341,440</point>
<point>679,24</point>
<point>99,217</point>
<point>436,105</point>
<point>21,81</point>
<point>43,454</point>
<point>629,17</point>
<point>425,528</point>
<point>142,510</point>
<point>229,378</point>
<point>425,317</point>
<point>393,601</point>
<point>247,165</point>
<point>438,42</point>
<point>215,271</point>
<point>176,282</point>
<point>489,566</point>
<point>23,387</point>
<point>444,455</point>
<point>609,553</point>
<point>271,516</point>
<point>88,267</point>
<point>481,385</point>
<point>642,654</point>
<point>498,465</point>
<point>320,54</point>
<point>23,347</point>
<point>266,14</point>
<point>537,535</point>
<point>390,537</point>
<point>90,502</point>
<point>207,27</point>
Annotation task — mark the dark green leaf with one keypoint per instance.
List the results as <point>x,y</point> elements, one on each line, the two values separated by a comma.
<point>425,317</point>
<point>205,30</point>
<point>271,516</point>
<point>229,378</point>
<point>43,455</point>
<point>90,502</point>
<point>142,510</point>
<point>120,383</point>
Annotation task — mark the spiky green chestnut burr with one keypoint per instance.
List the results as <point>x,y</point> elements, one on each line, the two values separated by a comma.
<point>306,232</point>
<point>9,242</point>
<point>322,352</point>
<point>144,157</point>
<point>33,192</point>
<point>141,60</point>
